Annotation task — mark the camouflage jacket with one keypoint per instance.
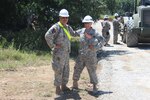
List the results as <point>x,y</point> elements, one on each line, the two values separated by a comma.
<point>105,26</point>
<point>56,35</point>
<point>97,40</point>
<point>116,24</point>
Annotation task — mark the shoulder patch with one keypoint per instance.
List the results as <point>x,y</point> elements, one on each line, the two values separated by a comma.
<point>54,30</point>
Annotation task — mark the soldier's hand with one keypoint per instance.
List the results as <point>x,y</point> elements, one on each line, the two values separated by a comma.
<point>88,36</point>
<point>58,46</point>
<point>91,46</point>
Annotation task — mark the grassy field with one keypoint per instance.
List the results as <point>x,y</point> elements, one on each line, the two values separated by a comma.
<point>11,58</point>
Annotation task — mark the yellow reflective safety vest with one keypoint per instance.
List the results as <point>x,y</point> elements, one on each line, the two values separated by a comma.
<point>66,31</point>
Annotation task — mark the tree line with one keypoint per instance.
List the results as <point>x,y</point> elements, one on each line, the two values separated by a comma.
<point>16,17</point>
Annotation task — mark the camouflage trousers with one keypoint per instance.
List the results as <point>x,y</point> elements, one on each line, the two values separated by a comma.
<point>115,37</point>
<point>91,64</point>
<point>60,65</point>
<point>106,35</point>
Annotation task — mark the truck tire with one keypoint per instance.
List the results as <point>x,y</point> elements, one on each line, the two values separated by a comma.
<point>124,34</point>
<point>131,38</point>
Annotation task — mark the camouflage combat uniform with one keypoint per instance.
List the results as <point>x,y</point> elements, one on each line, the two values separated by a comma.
<point>87,57</point>
<point>105,30</point>
<point>60,56</point>
<point>116,31</point>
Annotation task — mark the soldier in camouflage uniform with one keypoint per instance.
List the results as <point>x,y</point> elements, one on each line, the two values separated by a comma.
<point>89,44</point>
<point>116,29</point>
<point>58,41</point>
<point>105,29</point>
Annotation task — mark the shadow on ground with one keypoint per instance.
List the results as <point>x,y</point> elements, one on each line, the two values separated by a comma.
<point>69,95</point>
<point>99,93</point>
<point>109,53</point>
<point>74,95</point>
<point>145,46</point>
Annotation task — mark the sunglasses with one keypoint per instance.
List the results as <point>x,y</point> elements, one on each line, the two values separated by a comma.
<point>64,17</point>
<point>87,23</point>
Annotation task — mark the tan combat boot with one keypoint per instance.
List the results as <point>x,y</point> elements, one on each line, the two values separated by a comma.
<point>75,85</point>
<point>58,90</point>
<point>95,89</point>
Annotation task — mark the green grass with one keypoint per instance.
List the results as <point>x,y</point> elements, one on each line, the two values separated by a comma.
<point>11,58</point>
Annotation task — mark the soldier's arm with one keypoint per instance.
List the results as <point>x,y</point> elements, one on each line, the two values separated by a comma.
<point>72,32</point>
<point>97,45</point>
<point>82,41</point>
<point>102,24</point>
<point>49,36</point>
<point>114,22</point>
<point>83,44</point>
<point>100,39</point>
<point>79,31</point>
<point>108,25</point>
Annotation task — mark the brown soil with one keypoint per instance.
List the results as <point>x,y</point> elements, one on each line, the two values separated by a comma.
<point>36,83</point>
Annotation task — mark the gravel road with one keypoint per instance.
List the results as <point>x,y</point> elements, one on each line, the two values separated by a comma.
<point>125,72</point>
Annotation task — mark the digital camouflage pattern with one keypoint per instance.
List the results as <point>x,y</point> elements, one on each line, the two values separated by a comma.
<point>88,57</point>
<point>116,30</point>
<point>60,56</point>
<point>105,30</point>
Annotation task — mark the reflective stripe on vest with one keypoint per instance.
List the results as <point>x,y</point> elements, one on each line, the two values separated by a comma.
<point>65,30</point>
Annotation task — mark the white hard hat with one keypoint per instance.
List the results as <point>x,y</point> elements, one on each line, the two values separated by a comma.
<point>63,13</point>
<point>116,14</point>
<point>106,16</point>
<point>87,19</point>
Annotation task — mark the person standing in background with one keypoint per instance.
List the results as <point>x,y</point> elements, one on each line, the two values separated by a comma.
<point>105,29</point>
<point>116,29</point>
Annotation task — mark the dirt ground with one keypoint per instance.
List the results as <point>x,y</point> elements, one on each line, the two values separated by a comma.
<point>36,83</point>
<point>123,74</point>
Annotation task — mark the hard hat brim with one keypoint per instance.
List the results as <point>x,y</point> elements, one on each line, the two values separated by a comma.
<point>87,21</point>
<point>63,15</point>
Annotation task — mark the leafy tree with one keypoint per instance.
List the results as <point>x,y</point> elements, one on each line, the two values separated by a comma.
<point>126,5</point>
<point>111,5</point>
<point>8,14</point>
<point>17,13</point>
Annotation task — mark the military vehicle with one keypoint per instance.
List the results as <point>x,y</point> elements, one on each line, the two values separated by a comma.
<point>137,26</point>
